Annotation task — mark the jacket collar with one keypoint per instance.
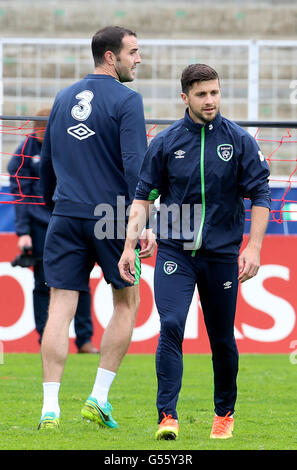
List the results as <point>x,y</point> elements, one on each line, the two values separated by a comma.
<point>99,76</point>
<point>196,127</point>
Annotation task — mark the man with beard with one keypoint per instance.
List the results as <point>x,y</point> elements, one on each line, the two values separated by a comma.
<point>93,149</point>
<point>202,167</point>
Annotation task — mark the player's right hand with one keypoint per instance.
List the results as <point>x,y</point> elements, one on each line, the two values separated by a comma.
<point>126,266</point>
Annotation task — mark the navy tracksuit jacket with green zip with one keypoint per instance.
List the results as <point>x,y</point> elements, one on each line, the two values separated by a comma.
<point>206,171</point>
<point>213,167</point>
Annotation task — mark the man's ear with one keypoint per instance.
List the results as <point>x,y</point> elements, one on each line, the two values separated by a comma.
<point>109,57</point>
<point>184,97</point>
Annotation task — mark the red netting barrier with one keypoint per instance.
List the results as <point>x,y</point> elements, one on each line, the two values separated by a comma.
<point>23,132</point>
<point>276,140</point>
<point>285,160</point>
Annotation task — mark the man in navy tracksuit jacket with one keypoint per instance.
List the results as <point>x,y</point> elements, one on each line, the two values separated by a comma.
<point>31,221</point>
<point>203,166</point>
<point>93,149</point>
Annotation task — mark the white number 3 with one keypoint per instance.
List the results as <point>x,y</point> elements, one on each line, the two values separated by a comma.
<point>83,109</point>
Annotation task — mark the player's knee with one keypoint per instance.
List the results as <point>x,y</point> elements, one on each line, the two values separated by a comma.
<point>223,347</point>
<point>171,327</point>
<point>128,300</point>
<point>63,304</point>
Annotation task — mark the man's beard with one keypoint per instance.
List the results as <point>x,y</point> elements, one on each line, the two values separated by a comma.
<point>123,74</point>
<point>201,117</point>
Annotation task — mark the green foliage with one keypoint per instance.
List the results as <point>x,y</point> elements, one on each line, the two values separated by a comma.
<point>264,420</point>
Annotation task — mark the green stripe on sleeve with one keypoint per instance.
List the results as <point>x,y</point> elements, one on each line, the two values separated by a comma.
<point>153,195</point>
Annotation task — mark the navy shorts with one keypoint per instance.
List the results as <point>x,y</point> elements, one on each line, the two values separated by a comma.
<point>71,251</point>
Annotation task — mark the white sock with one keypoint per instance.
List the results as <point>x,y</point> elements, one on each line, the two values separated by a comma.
<point>103,381</point>
<point>51,398</point>
<point>230,416</point>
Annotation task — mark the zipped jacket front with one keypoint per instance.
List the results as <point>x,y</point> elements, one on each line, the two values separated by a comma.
<point>202,174</point>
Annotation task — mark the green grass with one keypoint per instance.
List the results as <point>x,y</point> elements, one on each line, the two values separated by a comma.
<point>265,410</point>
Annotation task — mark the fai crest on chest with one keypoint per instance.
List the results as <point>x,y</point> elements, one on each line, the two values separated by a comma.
<point>225,152</point>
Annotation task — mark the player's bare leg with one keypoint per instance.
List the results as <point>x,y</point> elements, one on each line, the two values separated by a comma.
<point>114,344</point>
<point>54,351</point>
<point>117,336</point>
<point>55,341</point>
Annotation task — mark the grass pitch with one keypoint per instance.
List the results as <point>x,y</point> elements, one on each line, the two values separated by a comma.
<point>265,412</point>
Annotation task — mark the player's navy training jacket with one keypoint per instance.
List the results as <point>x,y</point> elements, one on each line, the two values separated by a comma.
<point>22,165</point>
<point>94,146</point>
<point>207,171</point>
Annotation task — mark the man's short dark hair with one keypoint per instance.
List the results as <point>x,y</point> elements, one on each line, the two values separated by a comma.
<point>108,39</point>
<point>196,73</point>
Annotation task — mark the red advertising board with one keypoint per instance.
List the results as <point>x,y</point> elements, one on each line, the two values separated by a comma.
<point>265,319</point>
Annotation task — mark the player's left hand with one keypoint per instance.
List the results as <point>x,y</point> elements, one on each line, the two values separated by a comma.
<point>148,244</point>
<point>248,263</point>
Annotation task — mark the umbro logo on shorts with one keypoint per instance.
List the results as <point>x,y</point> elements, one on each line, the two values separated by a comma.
<point>227,285</point>
<point>170,267</point>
